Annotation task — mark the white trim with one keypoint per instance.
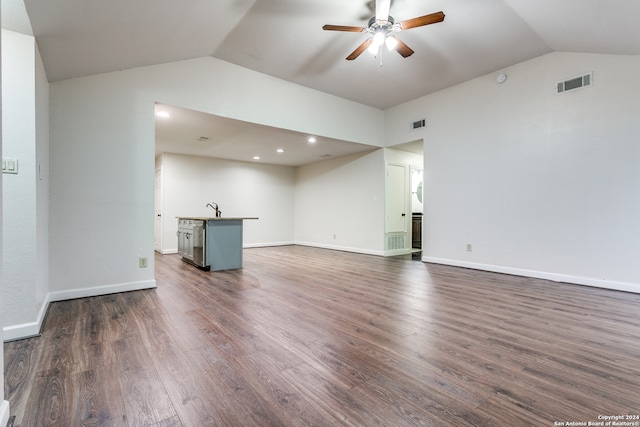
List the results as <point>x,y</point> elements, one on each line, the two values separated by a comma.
<point>21,331</point>
<point>556,277</point>
<point>168,251</point>
<point>397,252</point>
<point>32,329</point>
<point>102,290</point>
<point>342,248</point>
<point>266,245</point>
<point>4,413</point>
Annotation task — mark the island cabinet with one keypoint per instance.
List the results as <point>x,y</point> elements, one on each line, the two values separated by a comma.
<point>221,242</point>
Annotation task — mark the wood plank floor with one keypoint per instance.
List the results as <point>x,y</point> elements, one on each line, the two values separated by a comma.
<point>310,337</point>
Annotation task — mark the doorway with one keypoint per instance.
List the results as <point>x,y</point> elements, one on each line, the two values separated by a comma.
<point>411,156</point>
<point>397,210</point>
<point>416,209</point>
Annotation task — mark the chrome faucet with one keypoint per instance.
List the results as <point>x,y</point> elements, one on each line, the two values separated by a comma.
<point>214,206</point>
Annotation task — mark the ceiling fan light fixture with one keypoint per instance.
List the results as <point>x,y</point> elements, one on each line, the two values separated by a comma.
<point>373,48</point>
<point>378,38</point>
<point>377,41</point>
<point>391,42</point>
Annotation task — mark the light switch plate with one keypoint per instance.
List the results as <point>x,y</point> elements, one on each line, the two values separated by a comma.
<point>9,165</point>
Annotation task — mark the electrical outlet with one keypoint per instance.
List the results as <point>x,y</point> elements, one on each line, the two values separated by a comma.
<point>469,247</point>
<point>142,262</point>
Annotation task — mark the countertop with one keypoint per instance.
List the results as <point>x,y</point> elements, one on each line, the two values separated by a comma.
<point>229,218</point>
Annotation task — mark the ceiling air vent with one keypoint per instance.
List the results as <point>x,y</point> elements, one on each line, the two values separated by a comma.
<point>574,83</point>
<point>418,124</point>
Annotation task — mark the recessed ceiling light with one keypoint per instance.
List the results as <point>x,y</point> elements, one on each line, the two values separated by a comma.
<point>256,157</point>
<point>163,114</point>
<point>312,139</point>
<point>280,150</point>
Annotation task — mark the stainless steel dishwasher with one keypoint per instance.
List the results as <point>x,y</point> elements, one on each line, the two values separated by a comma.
<point>191,241</point>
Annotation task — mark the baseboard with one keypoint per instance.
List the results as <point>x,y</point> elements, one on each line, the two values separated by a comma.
<point>4,413</point>
<point>556,277</point>
<point>266,245</point>
<point>102,290</point>
<point>32,329</point>
<point>342,248</point>
<point>397,252</point>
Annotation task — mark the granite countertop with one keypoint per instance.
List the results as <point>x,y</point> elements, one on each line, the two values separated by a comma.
<point>203,218</point>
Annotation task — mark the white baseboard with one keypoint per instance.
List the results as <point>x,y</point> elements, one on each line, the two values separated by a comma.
<point>266,245</point>
<point>32,329</point>
<point>4,413</point>
<point>556,277</point>
<point>342,248</point>
<point>102,290</point>
<point>397,252</point>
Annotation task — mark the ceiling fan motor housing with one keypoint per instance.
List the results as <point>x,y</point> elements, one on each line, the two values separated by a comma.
<point>376,25</point>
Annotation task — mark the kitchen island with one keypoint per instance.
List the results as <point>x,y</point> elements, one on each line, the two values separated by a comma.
<point>211,243</point>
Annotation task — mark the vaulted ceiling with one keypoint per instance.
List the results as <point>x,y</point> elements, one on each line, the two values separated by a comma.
<point>284,38</point>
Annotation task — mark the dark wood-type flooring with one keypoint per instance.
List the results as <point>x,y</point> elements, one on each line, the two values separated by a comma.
<point>310,337</point>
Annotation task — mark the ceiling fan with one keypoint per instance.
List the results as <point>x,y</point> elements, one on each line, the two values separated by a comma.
<point>382,26</point>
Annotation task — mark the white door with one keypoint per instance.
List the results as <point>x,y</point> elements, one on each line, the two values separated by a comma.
<point>396,196</point>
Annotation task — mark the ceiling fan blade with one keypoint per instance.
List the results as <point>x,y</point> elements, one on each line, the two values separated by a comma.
<point>365,44</point>
<point>343,28</point>
<point>422,20</point>
<point>403,49</point>
<point>382,10</point>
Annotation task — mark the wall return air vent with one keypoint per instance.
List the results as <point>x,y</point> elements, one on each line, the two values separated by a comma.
<point>418,124</point>
<point>574,83</point>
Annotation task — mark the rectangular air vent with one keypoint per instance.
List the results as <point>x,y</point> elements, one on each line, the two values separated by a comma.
<point>574,83</point>
<point>418,124</point>
<point>395,242</point>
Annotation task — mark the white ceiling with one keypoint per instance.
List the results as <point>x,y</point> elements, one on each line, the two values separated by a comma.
<point>201,134</point>
<point>284,38</point>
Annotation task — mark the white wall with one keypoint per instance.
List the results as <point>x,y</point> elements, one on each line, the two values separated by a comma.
<point>41,164</point>
<point>18,137</point>
<point>414,161</point>
<point>540,184</point>
<point>4,405</point>
<point>25,197</point>
<point>241,189</point>
<point>342,197</point>
<point>306,205</point>
<point>102,157</point>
